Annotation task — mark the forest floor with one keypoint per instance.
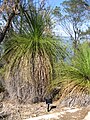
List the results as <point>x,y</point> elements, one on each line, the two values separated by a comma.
<point>38,111</point>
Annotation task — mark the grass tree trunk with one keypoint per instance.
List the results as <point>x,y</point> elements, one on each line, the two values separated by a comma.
<point>40,72</point>
<point>29,78</point>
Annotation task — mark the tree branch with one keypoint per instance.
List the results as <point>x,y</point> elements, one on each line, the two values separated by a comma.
<point>3,33</point>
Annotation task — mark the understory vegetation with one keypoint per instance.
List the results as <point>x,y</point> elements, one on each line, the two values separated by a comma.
<point>73,76</point>
<point>34,61</point>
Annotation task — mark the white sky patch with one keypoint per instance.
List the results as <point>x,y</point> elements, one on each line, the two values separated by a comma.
<point>62,31</point>
<point>59,31</point>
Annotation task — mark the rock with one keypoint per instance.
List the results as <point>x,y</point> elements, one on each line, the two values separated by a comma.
<point>35,100</point>
<point>53,93</point>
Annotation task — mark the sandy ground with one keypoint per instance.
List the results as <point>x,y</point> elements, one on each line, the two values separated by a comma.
<point>66,114</point>
<point>55,116</point>
<point>87,117</point>
<point>39,112</point>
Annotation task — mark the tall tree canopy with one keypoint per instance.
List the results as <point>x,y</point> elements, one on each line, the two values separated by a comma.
<point>73,17</point>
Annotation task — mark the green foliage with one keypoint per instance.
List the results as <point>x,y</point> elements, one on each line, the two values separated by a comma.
<point>34,19</point>
<point>30,54</point>
<point>33,37</point>
<point>18,45</point>
<point>75,76</point>
<point>82,61</point>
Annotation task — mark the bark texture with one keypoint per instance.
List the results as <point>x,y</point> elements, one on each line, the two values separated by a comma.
<point>29,78</point>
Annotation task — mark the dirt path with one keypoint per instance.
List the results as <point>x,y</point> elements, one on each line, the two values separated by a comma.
<point>87,117</point>
<point>65,114</point>
<point>39,112</point>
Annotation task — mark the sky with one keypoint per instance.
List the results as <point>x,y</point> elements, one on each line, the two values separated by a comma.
<point>55,2</point>
<point>57,30</point>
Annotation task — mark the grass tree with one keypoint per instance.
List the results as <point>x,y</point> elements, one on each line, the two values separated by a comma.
<point>29,57</point>
<point>79,71</point>
<point>74,77</point>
